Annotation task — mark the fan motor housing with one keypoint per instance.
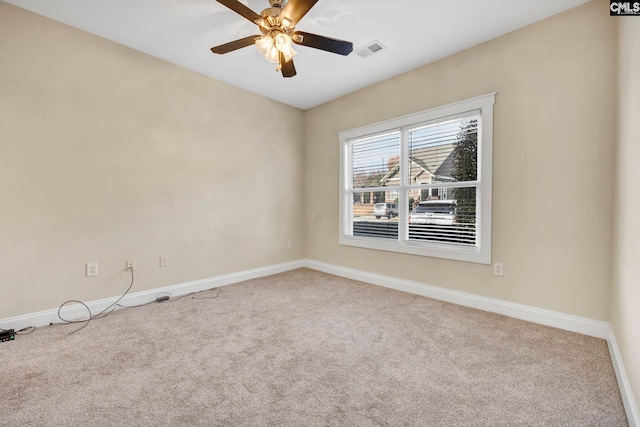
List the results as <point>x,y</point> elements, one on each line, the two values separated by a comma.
<point>271,11</point>
<point>276,3</point>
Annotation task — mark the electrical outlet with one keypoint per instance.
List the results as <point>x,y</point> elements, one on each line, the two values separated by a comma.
<point>163,261</point>
<point>290,244</point>
<point>131,264</point>
<point>91,269</point>
<point>498,269</point>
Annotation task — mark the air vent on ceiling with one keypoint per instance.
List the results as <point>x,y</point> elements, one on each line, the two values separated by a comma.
<point>370,49</point>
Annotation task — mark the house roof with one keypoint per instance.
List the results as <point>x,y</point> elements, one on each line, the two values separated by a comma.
<point>435,161</point>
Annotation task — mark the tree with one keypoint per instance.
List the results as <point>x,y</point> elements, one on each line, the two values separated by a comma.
<point>465,168</point>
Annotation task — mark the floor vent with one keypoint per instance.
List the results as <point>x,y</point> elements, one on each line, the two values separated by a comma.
<point>370,49</point>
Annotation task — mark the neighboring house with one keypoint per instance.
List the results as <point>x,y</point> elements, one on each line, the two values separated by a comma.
<point>428,165</point>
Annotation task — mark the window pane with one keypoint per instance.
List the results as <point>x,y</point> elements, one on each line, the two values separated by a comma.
<point>443,152</point>
<point>374,160</point>
<point>376,218</point>
<point>450,221</point>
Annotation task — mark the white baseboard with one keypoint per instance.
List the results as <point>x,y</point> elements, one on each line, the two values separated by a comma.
<point>581,325</point>
<point>76,311</point>
<point>628,399</point>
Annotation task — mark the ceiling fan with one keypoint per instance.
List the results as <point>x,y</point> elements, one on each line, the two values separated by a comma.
<point>277,24</point>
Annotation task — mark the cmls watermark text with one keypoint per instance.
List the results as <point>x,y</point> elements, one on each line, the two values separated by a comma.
<point>621,8</point>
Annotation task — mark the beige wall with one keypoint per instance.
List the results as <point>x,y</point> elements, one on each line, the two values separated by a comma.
<point>108,154</point>
<point>553,173</point>
<point>625,312</point>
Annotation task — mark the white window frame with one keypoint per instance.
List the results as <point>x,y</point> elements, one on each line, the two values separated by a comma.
<point>481,253</point>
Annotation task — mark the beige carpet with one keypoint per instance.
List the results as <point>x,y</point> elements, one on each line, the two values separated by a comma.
<point>305,348</point>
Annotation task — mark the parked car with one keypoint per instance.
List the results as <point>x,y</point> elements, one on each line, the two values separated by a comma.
<point>385,209</point>
<point>436,212</point>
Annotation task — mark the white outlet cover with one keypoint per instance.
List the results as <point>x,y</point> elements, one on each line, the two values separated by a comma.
<point>91,269</point>
<point>498,269</point>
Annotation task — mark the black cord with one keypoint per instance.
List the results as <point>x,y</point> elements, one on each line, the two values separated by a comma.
<point>29,328</point>
<point>215,296</point>
<point>191,294</point>
<point>100,315</point>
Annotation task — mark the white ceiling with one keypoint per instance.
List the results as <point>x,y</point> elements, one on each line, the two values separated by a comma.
<point>415,33</point>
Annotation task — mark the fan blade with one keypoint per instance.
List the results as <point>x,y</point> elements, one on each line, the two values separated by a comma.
<point>294,10</point>
<point>288,69</point>
<point>235,45</point>
<point>323,43</point>
<point>241,9</point>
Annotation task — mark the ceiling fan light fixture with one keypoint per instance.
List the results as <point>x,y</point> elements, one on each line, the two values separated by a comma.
<point>273,55</point>
<point>283,43</point>
<point>282,40</point>
<point>288,53</point>
<point>264,44</point>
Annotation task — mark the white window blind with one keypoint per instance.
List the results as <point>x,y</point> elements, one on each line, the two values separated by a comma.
<point>444,153</point>
<point>372,160</point>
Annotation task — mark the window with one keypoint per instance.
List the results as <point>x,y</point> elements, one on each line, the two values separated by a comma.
<point>435,166</point>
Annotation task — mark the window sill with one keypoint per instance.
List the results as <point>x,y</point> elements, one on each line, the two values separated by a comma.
<point>433,250</point>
